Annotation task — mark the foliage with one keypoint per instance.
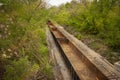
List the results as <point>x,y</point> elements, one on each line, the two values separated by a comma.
<point>99,17</point>
<point>16,69</point>
<point>22,33</point>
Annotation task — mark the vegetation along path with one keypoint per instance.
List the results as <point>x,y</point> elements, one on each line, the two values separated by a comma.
<point>24,52</point>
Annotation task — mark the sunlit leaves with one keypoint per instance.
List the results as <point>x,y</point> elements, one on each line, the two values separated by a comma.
<point>22,33</point>
<point>100,18</point>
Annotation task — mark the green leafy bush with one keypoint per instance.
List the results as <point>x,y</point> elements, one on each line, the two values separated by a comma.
<point>22,33</point>
<point>100,18</point>
<point>17,69</point>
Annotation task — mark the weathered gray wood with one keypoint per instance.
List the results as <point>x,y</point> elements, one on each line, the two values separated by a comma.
<point>56,55</point>
<point>98,61</point>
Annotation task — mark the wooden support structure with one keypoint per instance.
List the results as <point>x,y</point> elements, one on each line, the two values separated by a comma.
<point>82,62</point>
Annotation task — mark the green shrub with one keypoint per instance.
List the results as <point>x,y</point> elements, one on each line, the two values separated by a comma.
<point>17,69</point>
<point>100,18</point>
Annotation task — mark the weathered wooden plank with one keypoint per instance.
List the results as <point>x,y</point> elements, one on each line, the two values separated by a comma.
<point>98,61</point>
<point>57,58</point>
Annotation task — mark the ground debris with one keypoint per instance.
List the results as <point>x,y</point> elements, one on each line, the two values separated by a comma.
<point>40,76</point>
<point>117,65</point>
